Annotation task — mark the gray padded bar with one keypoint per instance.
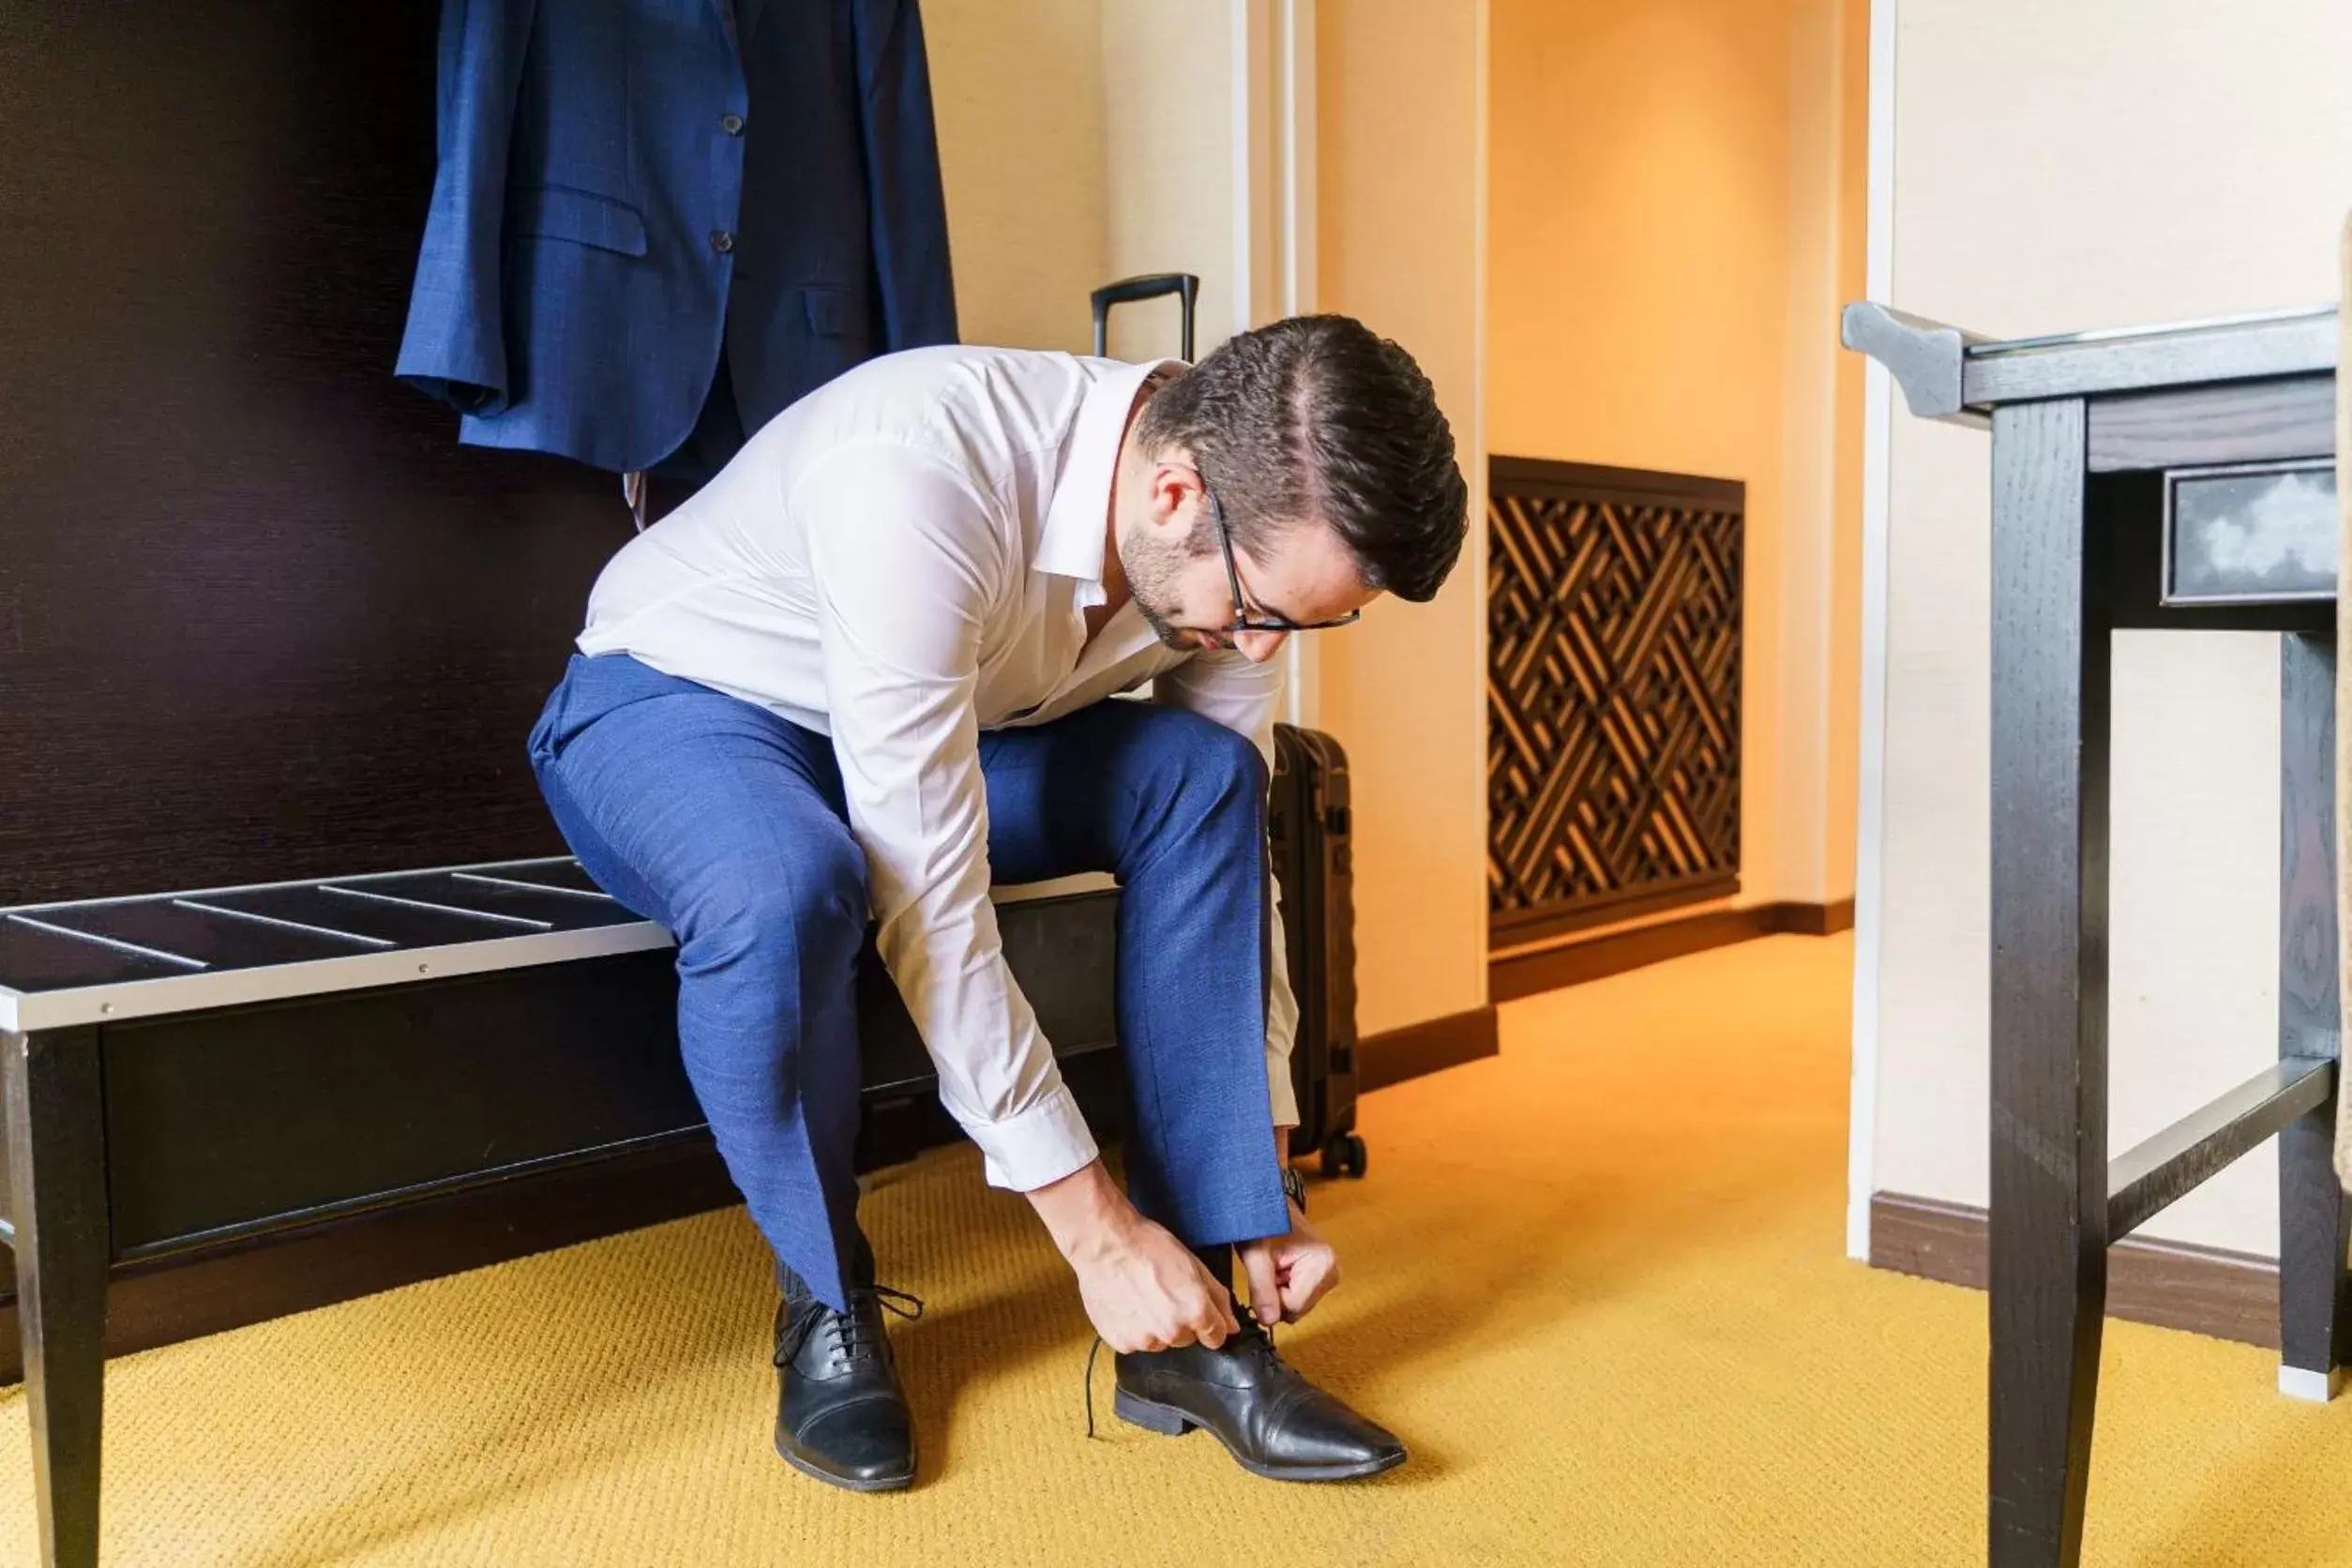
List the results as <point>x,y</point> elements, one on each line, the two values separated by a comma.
<point>211,895</point>
<point>216,940</point>
<point>568,874</point>
<point>34,959</point>
<point>400,925</point>
<point>561,910</point>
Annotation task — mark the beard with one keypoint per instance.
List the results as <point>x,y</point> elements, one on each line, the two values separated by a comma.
<point>1152,569</point>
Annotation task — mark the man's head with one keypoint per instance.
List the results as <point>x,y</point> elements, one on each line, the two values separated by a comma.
<point>1322,449</point>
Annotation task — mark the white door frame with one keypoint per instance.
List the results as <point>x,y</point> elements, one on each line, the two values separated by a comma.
<point>1275,209</point>
<point>1870,795</point>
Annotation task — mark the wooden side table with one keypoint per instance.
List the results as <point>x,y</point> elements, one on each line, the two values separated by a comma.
<point>2129,471</point>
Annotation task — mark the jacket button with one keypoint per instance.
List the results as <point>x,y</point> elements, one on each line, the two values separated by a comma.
<point>721,241</point>
<point>730,124</point>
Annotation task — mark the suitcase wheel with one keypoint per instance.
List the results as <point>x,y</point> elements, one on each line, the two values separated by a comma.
<point>1343,1154</point>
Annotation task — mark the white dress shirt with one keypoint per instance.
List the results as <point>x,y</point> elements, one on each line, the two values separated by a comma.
<point>901,560</point>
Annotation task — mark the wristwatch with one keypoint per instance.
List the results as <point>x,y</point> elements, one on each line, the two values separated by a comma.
<point>1294,1185</point>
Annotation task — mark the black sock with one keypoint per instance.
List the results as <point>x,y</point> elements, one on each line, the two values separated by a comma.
<point>1217,1257</point>
<point>857,1269</point>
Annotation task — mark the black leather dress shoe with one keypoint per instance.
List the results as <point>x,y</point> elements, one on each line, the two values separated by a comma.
<point>1273,1421</point>
<point>840,1414</point>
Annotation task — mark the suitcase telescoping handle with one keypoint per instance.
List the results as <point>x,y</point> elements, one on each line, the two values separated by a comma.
<point>1150,285</point>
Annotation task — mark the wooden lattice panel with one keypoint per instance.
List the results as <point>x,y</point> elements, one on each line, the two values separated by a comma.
<point>1613,692</point>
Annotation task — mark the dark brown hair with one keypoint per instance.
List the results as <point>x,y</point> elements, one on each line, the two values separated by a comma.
<point>1320,417</point>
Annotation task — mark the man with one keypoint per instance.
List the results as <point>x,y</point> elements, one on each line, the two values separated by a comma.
<point>864,669</point>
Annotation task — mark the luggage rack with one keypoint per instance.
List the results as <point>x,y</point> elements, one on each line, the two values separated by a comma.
<point>200,1125</point>
<point>109,959</point>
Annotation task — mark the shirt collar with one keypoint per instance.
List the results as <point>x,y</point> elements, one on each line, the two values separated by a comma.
<point>1070,543</point>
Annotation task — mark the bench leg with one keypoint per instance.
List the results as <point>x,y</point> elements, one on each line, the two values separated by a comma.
<point>57,1195</point>
<point>2051,698</point>
<point>2315,1221</point>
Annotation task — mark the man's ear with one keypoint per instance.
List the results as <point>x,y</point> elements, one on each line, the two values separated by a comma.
<point>1175,486</point>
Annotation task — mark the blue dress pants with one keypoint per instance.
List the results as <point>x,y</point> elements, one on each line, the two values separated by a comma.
<point>724,821</point>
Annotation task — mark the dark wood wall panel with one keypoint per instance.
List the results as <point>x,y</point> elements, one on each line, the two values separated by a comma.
<point>260,616</point>
<point>1613,693</point>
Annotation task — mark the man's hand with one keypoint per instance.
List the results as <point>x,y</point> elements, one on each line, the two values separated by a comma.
<point>1143,1289</point>
<point>1288,1275</point>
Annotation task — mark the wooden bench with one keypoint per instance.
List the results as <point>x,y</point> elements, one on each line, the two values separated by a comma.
<point>188,1073</point>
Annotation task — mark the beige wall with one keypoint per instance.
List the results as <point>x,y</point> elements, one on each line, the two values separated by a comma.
<point>1845,570</point>
<point>1051,193</point>
<point>2062,166</point>
<point>1399,124</point>
<point>1675,210</point>
<point>1171,206</point>
<point>1026,172</point>
<point>1820,602</point>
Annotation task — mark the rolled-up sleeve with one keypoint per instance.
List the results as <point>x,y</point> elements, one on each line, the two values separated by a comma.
<point>906,556</point>
<point>1244,697</point>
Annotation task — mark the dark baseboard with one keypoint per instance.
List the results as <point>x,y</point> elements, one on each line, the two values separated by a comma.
<point>1394,1055</point>
<point>1514,930</point>
<point>2174,1285</point>
<point>1818,920</point>
<point>1572,963</point>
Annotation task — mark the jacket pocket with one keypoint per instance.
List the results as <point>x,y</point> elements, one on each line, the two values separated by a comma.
<point>560,212</point>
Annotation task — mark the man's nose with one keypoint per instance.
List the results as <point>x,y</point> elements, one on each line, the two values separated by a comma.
<point>1259,646</point>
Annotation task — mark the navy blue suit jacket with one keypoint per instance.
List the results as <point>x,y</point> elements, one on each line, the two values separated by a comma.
<point>625,184</point>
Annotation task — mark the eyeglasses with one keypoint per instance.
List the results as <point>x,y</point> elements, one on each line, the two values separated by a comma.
<point>1243,620</point>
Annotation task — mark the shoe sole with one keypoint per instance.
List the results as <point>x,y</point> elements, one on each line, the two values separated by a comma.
<point>886,1483</point>
<point>1169,1421</point>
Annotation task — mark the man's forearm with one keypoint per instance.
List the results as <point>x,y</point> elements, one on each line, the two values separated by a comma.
<point>1087,1214</point>
<point>1084,1211</point>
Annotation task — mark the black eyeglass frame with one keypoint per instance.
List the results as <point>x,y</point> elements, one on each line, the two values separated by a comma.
<point>1242,619</point>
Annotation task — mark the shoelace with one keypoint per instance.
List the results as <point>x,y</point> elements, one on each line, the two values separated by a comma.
<point>849,1329</point>
<point>1259,1336</point>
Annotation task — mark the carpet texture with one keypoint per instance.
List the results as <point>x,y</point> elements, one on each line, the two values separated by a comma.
<point>1597,1283</point>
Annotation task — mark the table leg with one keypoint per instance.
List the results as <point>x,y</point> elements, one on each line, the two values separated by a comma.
<point>2313,1217</point>
<point>56,1156</point>
<point>2051,649</point>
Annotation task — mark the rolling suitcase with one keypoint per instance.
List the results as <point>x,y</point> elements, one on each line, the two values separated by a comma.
<point>1307,831</point>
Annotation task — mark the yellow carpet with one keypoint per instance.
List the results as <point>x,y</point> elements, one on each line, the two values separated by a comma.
<point>1596,1283</point>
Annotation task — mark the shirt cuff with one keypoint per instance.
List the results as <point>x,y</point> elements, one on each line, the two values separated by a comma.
<point>1038,1146</point>
<point>1280,1093</point>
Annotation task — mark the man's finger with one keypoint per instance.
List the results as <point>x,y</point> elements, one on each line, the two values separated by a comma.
<point>1310,1277</point>
<point>1209,1323</point>
<point>1221,1304</point>
<point>1265,1286</point>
